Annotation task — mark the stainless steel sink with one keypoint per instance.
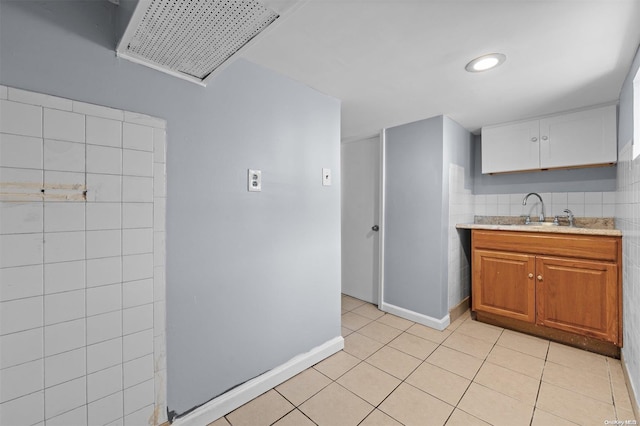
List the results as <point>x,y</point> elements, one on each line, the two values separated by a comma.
<point>541,224</point>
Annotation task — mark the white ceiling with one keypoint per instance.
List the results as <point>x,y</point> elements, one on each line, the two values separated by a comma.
<point>397,61</point>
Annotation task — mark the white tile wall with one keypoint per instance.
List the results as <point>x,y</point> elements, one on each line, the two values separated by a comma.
<point>628,221</point>
<point>65,366</point>
<point>104,355</point>
<point>582,204</point>
<point>64,156</point>
<point>82,339</point>
<point>20,282</point>
<point>20,151</point>
<point>17,348</point>
<point>460,211</point>
<point>135,136</point>
<point>20,119</point>
<point>103,131</point>
<point>63,125</point>
<point>104,159</point>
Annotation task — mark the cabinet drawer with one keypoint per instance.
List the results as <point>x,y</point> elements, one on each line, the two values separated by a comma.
<point>567,245</point>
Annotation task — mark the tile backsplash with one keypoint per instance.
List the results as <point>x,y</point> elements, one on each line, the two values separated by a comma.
<point>82,279</point>
<point>582,204</point>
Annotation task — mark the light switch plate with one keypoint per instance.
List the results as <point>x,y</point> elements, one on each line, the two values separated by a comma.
<point>326,177</point>
<point>254,180</point>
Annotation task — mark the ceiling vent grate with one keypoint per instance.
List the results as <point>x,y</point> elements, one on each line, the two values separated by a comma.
<point>192,38</point>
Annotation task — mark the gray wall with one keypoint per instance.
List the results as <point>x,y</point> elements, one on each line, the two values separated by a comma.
<point>413,217</point>
<point>595,179</point>
<point>253,278</point>
<point>417,158</point>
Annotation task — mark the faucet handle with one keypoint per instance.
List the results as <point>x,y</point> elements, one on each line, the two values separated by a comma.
<point>569,216</point>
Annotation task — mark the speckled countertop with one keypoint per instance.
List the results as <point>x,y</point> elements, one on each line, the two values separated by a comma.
<point>583,225</point>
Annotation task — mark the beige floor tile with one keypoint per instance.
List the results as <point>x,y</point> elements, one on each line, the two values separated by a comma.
<point>479,330</point>
<point>334,405</point>
<point>411,406</point>
<point>429,333</point>
<point>263,410</point>
<point>369,383</point>
<point>354,321</point>
<point>460,418</point>
<point>350,303</point>
<point>469,345</point>
<point>494,407</point>
<point>623,415</point>
<point>508,382</point>
<point>220,422</point>
<point>303,386</point>
<point>395,321</point>
<point>378,418</point>
<point>573,406</point>
<point>413,345</point>
<point>615,370</point>
<point>337,364</point>
<point>360,346</point>
<point>578,359</point>
<point>542,418</point>
<point>380,332</point>
<point>368,310</point>
<point>294,418</point>
<point>522,343</point>
<point>591,385</point>
<point>517,361</point>
<point>394,362</point>
<point>457,323</point>
<point>461,364</point>
<point>438,382</point>
<point>344,331</point>
<point>621,396</point>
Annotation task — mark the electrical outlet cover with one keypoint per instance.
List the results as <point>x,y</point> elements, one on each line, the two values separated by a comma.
<point>254,180</point>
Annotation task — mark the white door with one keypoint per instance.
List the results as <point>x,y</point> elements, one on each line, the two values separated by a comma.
<point>360,177</point>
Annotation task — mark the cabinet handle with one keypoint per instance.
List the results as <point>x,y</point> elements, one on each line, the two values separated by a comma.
<point>530,275</point>
<point>539,277</point>
<point>544,138</point>
<point>534,139</point>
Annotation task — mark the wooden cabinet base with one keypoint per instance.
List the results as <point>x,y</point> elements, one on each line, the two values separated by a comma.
<point>571,339</point>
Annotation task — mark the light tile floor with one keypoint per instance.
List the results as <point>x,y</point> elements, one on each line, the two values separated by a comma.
<point>396,372</point>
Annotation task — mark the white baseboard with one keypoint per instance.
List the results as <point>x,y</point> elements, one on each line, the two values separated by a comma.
<point>632,390</point>
<point>244,393</point>
<point>438,324</point>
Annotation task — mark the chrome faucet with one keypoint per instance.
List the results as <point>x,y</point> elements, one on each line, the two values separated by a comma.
<point>569,216</point>
<point>526,197</point>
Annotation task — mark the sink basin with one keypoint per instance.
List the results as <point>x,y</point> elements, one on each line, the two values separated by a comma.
<point>541,224</point>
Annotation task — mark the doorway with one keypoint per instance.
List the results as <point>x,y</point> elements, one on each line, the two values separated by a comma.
<point>360,174</point>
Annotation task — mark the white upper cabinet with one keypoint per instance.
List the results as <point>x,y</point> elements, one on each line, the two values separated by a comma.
<point>576,139</point>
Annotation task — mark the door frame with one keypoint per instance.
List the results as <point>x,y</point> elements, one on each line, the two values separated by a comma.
<point>381,219</point>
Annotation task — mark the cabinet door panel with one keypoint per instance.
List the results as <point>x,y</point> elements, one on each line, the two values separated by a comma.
<point>503,284</point>
<point>578,139</point>
<point>578,296</point>
<point>510,147</point>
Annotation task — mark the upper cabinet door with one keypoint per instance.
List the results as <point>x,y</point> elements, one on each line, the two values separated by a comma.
<point>579,139</point>
<point>511,147</point>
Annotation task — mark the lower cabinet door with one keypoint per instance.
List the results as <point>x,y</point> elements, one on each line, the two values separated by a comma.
<point>578,296</point>
<point>503,284</point>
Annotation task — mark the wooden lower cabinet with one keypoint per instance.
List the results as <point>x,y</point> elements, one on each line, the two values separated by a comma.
<point>547,281</point>
<point>512,290</point>
<point>578,296</point>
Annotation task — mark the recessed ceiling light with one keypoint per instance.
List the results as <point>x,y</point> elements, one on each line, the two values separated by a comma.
<point>485,62</point>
